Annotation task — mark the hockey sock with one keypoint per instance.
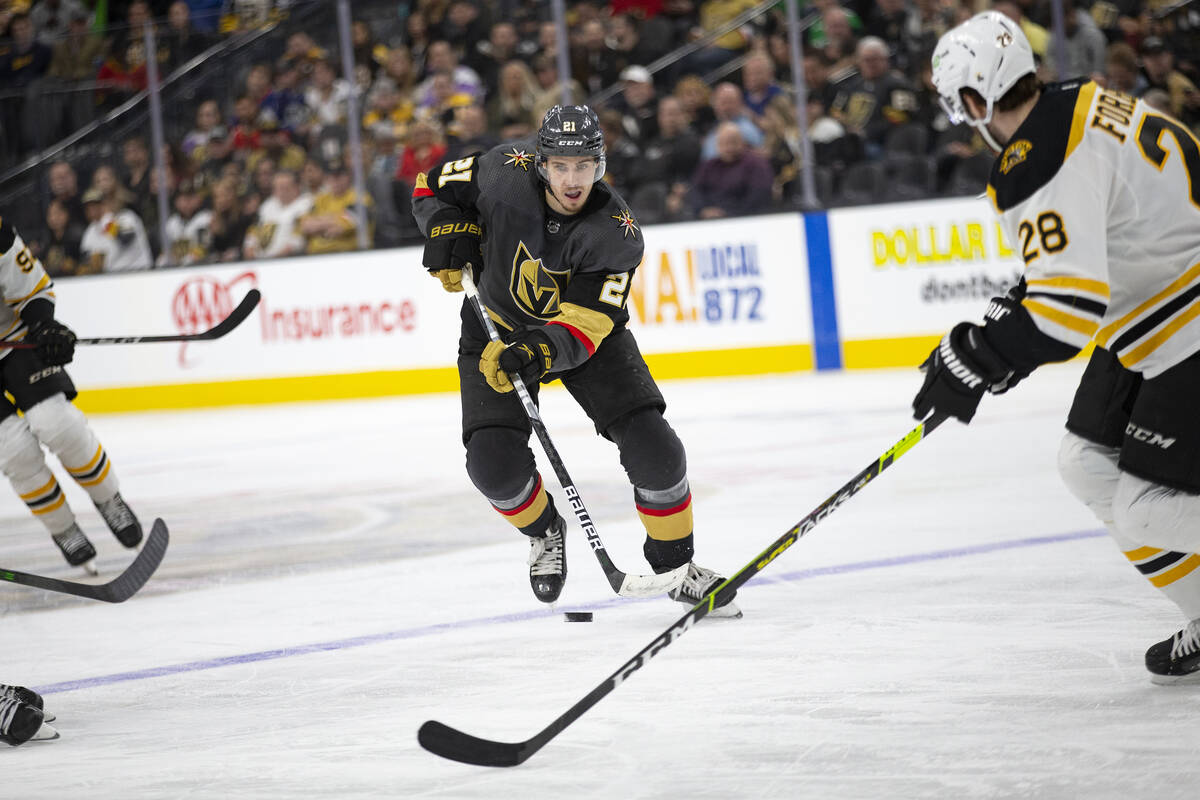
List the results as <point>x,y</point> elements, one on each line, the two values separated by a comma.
<point>1177,575</point>
<point>667,516</point>
<point>62,427</point>
<point>531,511</point>
<point>22,461</point>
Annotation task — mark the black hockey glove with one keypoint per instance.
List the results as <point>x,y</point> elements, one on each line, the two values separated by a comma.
<point>957,373</point>
<point>453,243</point>
<point>53,342</point>
<point>999,308</point>
<point>530,354</point>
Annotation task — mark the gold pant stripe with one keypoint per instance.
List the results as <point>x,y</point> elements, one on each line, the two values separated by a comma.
<point>100,478</point>
<point>88,467</point>
<point>49,485</point>
<point>1177,572</point>
<point>1142,553</point>
<point>57,504</point>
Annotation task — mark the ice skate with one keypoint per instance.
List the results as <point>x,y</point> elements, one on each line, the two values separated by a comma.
<point>548,562</point>
<point>1176,660</point>
<point>699,582</point>
<point>121,521</point>
<point>20,722</point>
<point>26,696</point>
<point>77,549</point>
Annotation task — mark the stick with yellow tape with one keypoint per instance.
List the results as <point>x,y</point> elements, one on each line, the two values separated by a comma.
<point>451,743</point>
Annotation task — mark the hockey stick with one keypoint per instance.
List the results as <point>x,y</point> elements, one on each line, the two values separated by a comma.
<point>451,743</point>
<point>235,318</point>
<point>120,588</point>
<point>622,583</point>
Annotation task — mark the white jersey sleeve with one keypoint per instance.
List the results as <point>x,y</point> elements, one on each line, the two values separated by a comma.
<point>22,280</point>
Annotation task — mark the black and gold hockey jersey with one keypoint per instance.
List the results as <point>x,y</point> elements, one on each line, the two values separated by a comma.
<point>1101,195</point>
<point>22,280</point>
<point>569,273</point>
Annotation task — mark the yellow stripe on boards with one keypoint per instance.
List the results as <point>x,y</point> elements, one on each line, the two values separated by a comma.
<point>312,388</point>
<point>908,351</point>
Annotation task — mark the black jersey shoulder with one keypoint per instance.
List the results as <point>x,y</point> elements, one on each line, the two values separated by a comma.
<point>607,230</point>
<point>507,169</point>
<point>1039,148</point>
<point>8,235</point>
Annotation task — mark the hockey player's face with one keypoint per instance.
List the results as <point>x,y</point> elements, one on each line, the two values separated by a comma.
<point>571,179</point>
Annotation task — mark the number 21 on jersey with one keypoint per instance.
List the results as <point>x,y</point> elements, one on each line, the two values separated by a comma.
<point>456,171</point>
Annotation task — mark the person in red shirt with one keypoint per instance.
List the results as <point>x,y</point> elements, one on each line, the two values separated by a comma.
<point>424,148</point>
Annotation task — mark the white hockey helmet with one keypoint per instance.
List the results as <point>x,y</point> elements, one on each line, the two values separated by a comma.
<point>988,53</point>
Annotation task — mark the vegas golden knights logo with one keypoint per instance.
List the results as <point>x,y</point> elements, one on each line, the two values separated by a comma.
<point>536,289</point>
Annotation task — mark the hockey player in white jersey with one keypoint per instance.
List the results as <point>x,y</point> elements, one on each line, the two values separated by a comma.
<point>1101,195</point>
<point>41,389</point>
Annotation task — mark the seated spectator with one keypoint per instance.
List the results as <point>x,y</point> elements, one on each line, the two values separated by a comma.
<point>135,174</point>
<point>327,97</point>
<point>727,107</point>
<point>64,187</point>
<point>672,156</point>
<point>510,107</point>
<point>286,101</point>
<point>210,159</point>
<point>628,46</point>
<point>22,64</point>
<point>819,36</point>
<point>304,53</point>
<point>550,90</point>
<point>332,224</point>
<point>840,42</point>
<point>113,192</point>
<point>398,73</point>
<point>638,105</point>
<point>262,184</point>
<point>593,62</point>
<point>443,100</point>
<point>423,149</point>
<point>245,135</point>
<point>736,182</point>
<point>1085,46</point>
<point>189,237</point>
<point>260,82</point>
<point>471,133</point>
<point>464,24</point>
<point>875,100</point>
<point>51,19</point>
<point>275,144</point>
<point>758,84</point>
<point>888,20</point>
<point>205,15</point>
<point>180,38</point>
<point>58,246</point>
<point>488,56</point>
<point>388,112</point>
<point>1158,66</point>
<point>312,177</point>
<point>229,222</point>
<point>208,119</point>
<point>115,239</point>
<point>695,97</point>
<point>443,60</point>
<point>714,14</point>
<point>782,147</point>
<point>123,73</point>
<point>1121,70</point>
<point>276,231</point>
<point>66,105</point>
<point>622,153</point>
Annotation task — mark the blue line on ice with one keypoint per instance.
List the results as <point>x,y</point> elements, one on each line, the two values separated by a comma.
<point>429,630</point>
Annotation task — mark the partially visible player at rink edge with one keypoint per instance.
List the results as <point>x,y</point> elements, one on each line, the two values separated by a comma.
<point>1101,195</point>
<point>34,381</point>
<point>559,248</point>
<point>23,716</point>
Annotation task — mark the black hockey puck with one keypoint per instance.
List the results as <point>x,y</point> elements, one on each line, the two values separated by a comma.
<point>578,616</point>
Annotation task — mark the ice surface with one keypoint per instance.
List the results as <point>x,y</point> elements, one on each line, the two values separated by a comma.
<point>960,629</point>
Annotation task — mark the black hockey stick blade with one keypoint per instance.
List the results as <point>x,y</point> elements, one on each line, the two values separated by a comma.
<point>442,740</point>
<point>235,318</point>
<point>120,588</point>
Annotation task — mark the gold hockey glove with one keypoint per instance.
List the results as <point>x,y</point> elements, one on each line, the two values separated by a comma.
<point>530,354</point>
<point>453,243</point>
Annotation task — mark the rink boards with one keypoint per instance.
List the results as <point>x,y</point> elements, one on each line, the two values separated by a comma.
<point>854,288</point>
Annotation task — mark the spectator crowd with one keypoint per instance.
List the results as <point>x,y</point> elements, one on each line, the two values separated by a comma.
<point>265,169</point>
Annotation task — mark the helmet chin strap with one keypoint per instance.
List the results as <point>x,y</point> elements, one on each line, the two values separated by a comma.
<point>981,127</point>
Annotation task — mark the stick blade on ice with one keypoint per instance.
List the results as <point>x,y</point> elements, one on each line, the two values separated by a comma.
<point>447,742</point>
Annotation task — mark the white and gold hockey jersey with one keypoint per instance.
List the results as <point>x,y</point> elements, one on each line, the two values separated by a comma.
<point>22,280</point>
<point>1101,196</point>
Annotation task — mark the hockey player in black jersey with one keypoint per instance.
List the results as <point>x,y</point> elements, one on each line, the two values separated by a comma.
<point>41,389</point>
<point>558,249</point>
